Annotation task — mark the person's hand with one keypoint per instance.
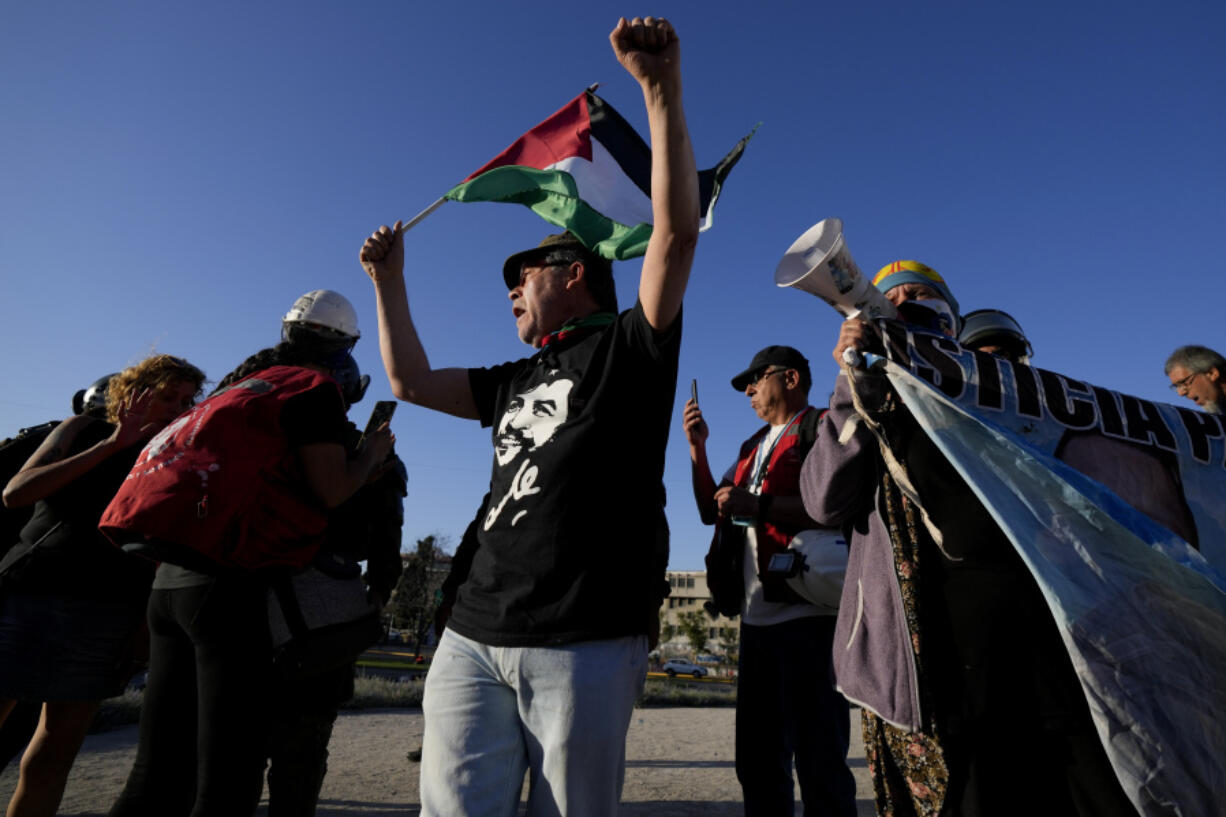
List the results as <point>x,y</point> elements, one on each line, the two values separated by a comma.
<point>382,468</point>
<point>696,430</point>
<point>382,255</point>
<point>133,414</point>
<point>378,445</point>
<point>733,501</point>
<point>441,615</point>
<point>648,48</point>
<point>855,334</point>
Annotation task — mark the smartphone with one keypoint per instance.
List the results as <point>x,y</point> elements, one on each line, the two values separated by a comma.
<point>382,413</point>
<point>694,390</point>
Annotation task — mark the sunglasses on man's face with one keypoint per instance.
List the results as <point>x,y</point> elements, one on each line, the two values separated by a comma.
<point>762,375</point>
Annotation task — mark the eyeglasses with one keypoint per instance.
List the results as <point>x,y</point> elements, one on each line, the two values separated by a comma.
<point>530,267</point>
<point>1180,386</point>
<point>762,375</point>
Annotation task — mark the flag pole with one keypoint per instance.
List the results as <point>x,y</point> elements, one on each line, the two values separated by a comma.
<point>417,219</point>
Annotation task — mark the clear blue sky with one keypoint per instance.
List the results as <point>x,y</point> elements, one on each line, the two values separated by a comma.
<point>173,175</point>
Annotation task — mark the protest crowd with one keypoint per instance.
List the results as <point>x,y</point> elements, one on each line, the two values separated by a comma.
<point>872,561</point>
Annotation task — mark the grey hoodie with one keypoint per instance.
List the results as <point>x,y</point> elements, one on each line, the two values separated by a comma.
<point>874,665</point>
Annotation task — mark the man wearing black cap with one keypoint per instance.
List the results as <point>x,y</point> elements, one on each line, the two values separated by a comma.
<point>545,650</point>
<point>786,706</point>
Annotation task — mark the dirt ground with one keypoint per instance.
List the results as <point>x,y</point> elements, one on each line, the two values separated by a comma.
<point>678,762</point>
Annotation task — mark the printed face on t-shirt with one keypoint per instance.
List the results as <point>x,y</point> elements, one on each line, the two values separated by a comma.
<point>531,419</point>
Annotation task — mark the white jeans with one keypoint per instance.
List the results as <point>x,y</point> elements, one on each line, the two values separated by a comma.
<point>563,712</point>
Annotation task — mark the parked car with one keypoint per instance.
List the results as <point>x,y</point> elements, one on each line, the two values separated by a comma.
<point>678,666</point>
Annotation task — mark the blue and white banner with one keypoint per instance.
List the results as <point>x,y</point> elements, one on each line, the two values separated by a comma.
<point>1116,505</point>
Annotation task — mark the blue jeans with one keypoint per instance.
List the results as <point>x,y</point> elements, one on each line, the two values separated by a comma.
<point>561,712</point>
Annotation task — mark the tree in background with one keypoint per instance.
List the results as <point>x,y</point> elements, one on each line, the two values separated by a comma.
<point>415,598</point>
<point>668,630</point>
<point>693,625</point>
<point>730,643</point>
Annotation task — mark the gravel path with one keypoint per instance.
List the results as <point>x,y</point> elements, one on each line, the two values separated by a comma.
<point>679,762</point>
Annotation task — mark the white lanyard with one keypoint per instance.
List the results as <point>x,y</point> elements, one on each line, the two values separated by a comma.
<point>761,459</point>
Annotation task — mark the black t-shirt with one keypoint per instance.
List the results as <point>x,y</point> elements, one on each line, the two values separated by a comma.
<point>991,646</point>
<point>315,416</point>
<point>574,543</point>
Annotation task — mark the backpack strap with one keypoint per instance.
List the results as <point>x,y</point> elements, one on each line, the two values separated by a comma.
<point>808,428</point>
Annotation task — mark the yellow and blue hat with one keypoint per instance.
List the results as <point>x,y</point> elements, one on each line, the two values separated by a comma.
<point>913,272</point>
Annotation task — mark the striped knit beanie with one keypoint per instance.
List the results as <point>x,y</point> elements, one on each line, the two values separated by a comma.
<point>913,272</point>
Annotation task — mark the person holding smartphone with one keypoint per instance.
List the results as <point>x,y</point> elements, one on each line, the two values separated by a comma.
<point>364,528</point>
<point>787,710</point>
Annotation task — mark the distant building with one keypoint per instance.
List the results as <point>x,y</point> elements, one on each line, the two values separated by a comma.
<point>687,593</point>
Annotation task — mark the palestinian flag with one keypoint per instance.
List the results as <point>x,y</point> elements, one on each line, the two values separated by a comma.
<point>586,170</point>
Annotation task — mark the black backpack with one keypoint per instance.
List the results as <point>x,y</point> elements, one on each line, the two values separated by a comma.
<point>14,452</point>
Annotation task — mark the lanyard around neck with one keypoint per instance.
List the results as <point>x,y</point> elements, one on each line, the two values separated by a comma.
<point>761,461</point>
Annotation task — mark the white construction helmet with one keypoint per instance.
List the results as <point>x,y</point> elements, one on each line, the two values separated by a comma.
<point>820,578</point>
<point>325,313</point>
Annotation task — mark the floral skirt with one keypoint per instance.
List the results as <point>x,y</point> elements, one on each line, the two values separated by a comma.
<point>908,770</point>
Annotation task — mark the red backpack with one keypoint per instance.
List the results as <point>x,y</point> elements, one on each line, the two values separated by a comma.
<point>222,481</point>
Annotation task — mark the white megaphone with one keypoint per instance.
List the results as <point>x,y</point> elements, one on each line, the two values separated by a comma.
<point>820,263</point>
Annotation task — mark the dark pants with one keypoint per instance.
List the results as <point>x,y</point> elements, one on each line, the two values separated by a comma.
<point>787,707</point>
<point>203,720</point>
<point>1013,720</point>
<point>303,712</point>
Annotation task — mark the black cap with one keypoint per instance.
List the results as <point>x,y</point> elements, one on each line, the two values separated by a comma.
<point>784,356</point>
<point>558,241</point>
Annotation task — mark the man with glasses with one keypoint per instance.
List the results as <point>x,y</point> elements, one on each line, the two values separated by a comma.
<point>1199,374</point>
<point>787,710</point>
<point>545,649</point>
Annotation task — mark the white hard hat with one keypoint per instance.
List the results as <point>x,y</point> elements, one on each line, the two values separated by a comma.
<point>324,309</point>
<point>820,579</point>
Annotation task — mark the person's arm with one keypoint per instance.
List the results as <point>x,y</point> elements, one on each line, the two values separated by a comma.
<point>49,469</point>
<point>650,51</point>
<point>696,433</point>
<point>404,358</point>
<point>857,334</point>
<point>387,491</point>
<point>838,479</point>
<point>785,511</point>
<point>334,477</point>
